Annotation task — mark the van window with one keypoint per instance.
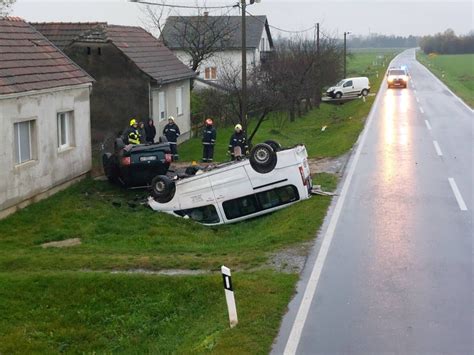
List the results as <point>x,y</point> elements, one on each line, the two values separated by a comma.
<point>348,83</point>
<point>264,200</point>
<point>204,214</point>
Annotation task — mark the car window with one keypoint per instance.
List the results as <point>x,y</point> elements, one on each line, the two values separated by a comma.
<point>348,83</point>
<point>340,83</point>
<point>396,72</point>
<point>204,214</point>
<point>264,200</point>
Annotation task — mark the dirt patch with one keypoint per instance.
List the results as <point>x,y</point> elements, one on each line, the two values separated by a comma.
<point>329,165</point>
<point>62,243</point>
<point>290,260</point>
<point>168,272</point>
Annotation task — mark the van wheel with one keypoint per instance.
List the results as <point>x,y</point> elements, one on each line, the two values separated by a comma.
<point>365,92</point>
<point>274,144</point>
<point>338,95</point>
<point>263,158</point>
<point>162,188</point>
<point>119,144</point>
<point>108,169</point>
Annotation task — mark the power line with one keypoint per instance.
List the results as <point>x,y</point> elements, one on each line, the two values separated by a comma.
<point>181,6</point>
<point>281,29</point>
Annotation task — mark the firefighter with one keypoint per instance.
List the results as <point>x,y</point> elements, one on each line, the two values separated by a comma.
<point>131,134</point>
<point>209,136</point>
<point>238,143</point>
<point>171,132</point>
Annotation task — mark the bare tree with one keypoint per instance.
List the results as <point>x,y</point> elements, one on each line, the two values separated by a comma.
<point>153,18</point>
<point>200,37</point>
<point>5,7</point>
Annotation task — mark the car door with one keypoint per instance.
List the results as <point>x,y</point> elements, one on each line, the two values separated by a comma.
<point>348,87</point>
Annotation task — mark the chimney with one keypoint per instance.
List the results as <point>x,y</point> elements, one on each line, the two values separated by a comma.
<point>206,13</point>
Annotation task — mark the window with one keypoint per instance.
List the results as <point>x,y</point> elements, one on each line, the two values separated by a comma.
<point>88,50</point>
<point>210,73</point>
<point>162,105</point>
<point>65,129</point>
<point>24,133</point>
<point>179,100</point>
<point>246,205</point>
<point>348,83</point>
<point>204,214</point>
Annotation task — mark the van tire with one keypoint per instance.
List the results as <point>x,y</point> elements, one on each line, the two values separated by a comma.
<point>263,158</point>
<point>162,189</point>
<point>365,92</point>
<point>338,95</point>
<point>106,166</point>
<point>162,139</point>
<point>274,144</point>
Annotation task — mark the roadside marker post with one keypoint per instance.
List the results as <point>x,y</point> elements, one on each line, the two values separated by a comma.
<point>229,296</point>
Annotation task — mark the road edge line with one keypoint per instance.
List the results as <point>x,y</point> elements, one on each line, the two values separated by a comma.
<point>445,86</point>
<point>303,309</point>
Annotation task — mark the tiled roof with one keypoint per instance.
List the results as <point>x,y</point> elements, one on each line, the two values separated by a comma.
<point>28,61</point>
<point>230,26</point>
<point>147,52</point>
<point>63,34</point>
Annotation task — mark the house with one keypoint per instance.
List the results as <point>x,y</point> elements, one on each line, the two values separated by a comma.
<point>136,76</point>
<point>44,117</point>
<point>228,50</point>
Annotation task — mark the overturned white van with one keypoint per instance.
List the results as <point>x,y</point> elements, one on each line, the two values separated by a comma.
<point>270,179</point>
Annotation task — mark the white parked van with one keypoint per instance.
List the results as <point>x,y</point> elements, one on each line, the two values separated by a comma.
<point>350,87</point>
<point>269,180</point>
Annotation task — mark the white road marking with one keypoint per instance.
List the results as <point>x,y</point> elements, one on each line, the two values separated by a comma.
<point>437,148</point>
<point>421,110</point>
<point>414,91</point>
<point>428,125</point>
<point>299,322</point>
<point>457,194</point>
<point>417,100</point>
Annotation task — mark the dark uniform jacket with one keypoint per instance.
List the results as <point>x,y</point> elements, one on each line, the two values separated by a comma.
<point>171,132</point>
<point>238,139</point>
<point>150,132</point>
<point>209,135</point>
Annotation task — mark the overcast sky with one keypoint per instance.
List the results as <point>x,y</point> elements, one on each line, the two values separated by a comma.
<point>402,17</point>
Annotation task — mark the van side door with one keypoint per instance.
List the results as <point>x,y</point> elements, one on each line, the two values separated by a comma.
<point>348,87</point>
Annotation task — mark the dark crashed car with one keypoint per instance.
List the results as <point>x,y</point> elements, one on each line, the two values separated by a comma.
<point>137,165</point>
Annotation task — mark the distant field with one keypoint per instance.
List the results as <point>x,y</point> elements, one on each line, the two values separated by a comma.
<point>456,71</point>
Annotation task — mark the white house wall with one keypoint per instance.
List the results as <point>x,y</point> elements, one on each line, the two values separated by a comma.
<point>50,167</point>
<point>184,120</point>
<point>222,60</point>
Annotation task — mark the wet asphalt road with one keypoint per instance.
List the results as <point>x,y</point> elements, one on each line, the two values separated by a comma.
<point>398,276</point>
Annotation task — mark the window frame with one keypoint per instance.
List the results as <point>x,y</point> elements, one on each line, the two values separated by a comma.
<point>210,73</point>
<point>258,202</point>
<point>161,110</point>
<point>348,83</point>
<point>68,130</point>
<point>17,142</point>
<point>180,102</point>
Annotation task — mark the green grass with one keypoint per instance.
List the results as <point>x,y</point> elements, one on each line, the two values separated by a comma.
<point>455,70</point>
<point>104,313</point>
<point>344,122</point>
<point>66,300</point>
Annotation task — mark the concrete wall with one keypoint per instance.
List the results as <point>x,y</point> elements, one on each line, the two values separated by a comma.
<point>121,90</point>
<point>51,167</point>
<point>184,120</point>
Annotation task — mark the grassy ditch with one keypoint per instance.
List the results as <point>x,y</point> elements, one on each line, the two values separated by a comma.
<point>96,297</point>
<point>455,70</point>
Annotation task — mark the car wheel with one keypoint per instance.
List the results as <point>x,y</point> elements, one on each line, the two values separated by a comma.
<point>162,188</point>
<point>162,139</point>
<point>365,92</point>
<point>338,95</point>
<point>107,167</point>
<point>274,144</point>
<point>263,158</point>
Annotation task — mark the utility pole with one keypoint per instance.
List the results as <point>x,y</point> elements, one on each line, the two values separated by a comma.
<point>318,58</point>
<point>345,50</point>
<point>243,119</point>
